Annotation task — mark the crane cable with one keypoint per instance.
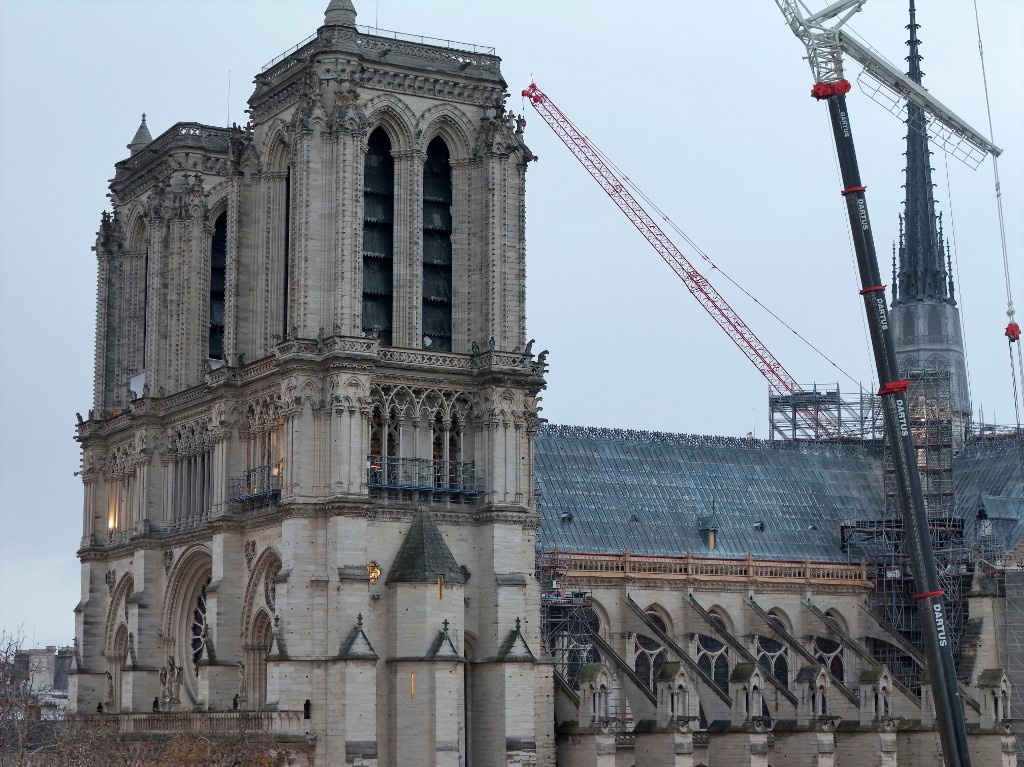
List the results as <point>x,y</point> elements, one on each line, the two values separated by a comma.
<point>1012,329</point>
<point>954,269</point>
<point>714,267</point>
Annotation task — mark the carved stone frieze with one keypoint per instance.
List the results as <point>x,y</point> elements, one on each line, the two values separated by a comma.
<point>190,437</point>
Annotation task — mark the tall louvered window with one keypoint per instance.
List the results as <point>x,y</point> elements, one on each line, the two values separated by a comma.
<point>378,236</point>
<point>437,248</point>
<point>218,270</point>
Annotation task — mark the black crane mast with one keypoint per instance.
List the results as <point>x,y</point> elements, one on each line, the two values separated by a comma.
<point>826,46</point>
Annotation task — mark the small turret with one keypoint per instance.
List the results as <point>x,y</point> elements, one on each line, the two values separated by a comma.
<point>340,13</point>
<point>142,137</point>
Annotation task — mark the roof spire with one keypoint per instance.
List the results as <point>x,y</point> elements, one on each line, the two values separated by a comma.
<point>340,13</point>
<point>914,57</point>
<point>922,272</point>
<point>142,137</point>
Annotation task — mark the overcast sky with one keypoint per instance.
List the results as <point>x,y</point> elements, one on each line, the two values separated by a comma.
<point>705,104</point>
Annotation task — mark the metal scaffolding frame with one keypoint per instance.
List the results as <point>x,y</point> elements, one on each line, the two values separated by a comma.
<point>1013,582</point>
<point>937,429</point>
<point>799,416</point>
<point>567,619</point>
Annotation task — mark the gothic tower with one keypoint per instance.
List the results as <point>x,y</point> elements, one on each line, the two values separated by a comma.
<point>308,471</point>
<point>924,314</point>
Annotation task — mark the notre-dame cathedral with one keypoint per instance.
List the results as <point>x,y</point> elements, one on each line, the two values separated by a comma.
<point>315,475</point>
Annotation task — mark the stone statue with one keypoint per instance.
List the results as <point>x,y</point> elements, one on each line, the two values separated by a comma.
<point>173,681</point>
<point>110,688</point>
<point>242,684</point>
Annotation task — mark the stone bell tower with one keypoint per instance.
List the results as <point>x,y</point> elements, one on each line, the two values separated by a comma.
<point>308,471</point>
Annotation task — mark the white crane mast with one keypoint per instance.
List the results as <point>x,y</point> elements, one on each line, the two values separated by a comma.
<point>824,52</point>
<point>825,43</point>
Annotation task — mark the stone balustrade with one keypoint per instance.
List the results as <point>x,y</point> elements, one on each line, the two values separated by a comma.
<point>710,568</point>
<point>283,723</point>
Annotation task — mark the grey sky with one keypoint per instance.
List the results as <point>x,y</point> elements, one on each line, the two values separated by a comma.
<point>705,104</point>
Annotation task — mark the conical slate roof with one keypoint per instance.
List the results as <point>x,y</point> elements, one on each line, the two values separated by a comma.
<point>142,136</point>
<point>340,13</point>
<point>424,555</point>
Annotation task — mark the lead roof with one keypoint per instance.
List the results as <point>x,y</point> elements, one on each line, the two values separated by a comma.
<point>604,490</point>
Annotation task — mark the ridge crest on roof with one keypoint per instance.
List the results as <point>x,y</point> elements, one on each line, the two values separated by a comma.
<point>564,431</point>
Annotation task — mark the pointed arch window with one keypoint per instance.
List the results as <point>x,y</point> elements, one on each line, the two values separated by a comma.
<point>446,453</point>
<point>773,657</point>
<point>713,660</point>
<point>437,247</point>
<point>648,654</point>
<point>383,459</point>
<point>830,654</point>
<point>378,236</point>
<point>218,272</point>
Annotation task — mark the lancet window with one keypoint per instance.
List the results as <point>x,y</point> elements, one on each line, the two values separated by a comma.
<point>830,653</point>
<point>437,247</point>
<point>192,473</point>
<point>418,446</point>
<point>264,466</point>
<point>378,236</point>
<point>648,654</point>
<point>713,660</point>
<point>773,657</point>
<point>218,272</point>
<point>447,452</point>
<point>122,492</point>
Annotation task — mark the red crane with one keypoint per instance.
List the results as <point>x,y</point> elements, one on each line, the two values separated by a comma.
<point>781,382</point>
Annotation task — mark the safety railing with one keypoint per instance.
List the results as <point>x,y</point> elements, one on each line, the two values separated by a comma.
<point>424,475</point>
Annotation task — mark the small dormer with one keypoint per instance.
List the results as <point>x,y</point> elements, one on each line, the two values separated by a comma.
<point>707,526</point>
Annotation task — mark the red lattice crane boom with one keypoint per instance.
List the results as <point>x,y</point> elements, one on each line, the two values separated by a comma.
<point>616,187</point>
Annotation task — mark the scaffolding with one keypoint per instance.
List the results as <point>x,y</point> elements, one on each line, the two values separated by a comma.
<point>799,416</point>
<point>937,430</point>
<point>567,618</point>
<point>1013,581</point>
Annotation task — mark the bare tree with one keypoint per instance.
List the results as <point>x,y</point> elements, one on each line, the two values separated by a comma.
<point>30,737</point>
<point>91,745</point>
<point>25,725</point>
